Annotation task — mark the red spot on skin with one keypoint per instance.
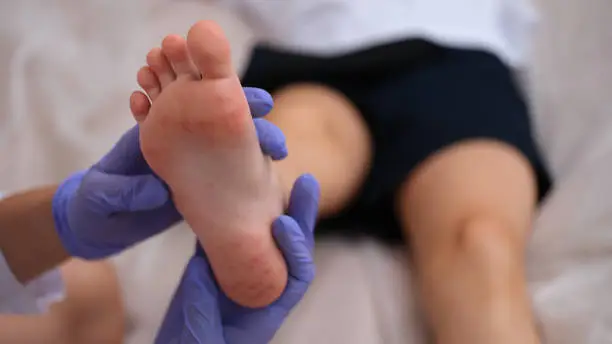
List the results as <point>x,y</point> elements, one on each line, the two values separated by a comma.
<point>258,278</point>
<point>259,291</point>
<point>227,122</point>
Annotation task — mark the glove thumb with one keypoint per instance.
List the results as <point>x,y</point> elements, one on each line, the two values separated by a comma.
<point>200,305</point>
<point>119,193</point>
<point>304,205</point>
<point>292,243</point>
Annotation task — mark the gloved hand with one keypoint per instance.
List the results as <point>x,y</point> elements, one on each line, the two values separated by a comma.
<point>119,201</point>
<point>200,313</point>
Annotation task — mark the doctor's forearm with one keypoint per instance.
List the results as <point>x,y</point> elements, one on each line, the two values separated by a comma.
<point>28,239</point>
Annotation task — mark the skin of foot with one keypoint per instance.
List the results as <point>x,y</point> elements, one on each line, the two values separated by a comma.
<point>197,134</point>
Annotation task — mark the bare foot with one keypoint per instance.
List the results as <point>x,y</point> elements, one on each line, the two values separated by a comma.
<point>199,137</point>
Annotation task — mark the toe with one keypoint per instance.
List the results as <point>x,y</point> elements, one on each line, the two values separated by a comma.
<point>174,48</point>
<point>210,50</point>
<point>148,81</point>
<point>161,66</point>
<point>139,105</point>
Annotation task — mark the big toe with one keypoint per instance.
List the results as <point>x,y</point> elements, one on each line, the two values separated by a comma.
<point>210,50</point>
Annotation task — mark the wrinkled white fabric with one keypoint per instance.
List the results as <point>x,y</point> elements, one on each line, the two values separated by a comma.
<point>65,71</point>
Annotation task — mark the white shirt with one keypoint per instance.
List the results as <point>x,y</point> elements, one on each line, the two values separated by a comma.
<point>332,27</point>
<point>35,297</point>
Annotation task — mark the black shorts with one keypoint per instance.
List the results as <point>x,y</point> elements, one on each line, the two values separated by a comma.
<point>416,98</point>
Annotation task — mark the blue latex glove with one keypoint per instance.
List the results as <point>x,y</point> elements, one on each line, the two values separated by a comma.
<point>201,314</point>
<point>119,201</point>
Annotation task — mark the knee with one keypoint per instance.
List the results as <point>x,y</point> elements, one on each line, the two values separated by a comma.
<point>483,250</point>
<point>489,242</point>
<point>319,108</point>
<point>93,308</point>
<point>322,113</point>
<point>91,284</point>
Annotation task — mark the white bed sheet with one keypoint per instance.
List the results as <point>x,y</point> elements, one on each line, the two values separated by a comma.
<point>78,77</point>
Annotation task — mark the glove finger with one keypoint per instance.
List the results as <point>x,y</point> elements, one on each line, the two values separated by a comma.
<point>304,205</point>
<point>271,139</point>
<point>119,193</point>
<point>292,243</point>
<point>203,323</point>
<point>125,157</point>
<point>260,101</point>
<point>171,330</point>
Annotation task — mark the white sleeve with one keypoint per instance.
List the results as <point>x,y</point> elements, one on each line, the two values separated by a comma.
<point>34,297</point>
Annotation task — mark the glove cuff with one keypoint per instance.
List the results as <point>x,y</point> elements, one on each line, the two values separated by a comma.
<point>66,190</point>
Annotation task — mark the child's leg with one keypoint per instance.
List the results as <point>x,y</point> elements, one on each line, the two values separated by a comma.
<point>325,137</point>
<point>93,310</point>
<point>467,208</point>
<point>468,212</point>
<point>91,313</point>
